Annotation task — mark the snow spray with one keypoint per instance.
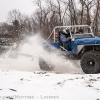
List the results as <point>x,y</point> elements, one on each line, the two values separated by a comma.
<point>26,58</point>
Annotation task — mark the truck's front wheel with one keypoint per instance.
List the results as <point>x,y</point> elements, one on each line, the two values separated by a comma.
<point>44,65</point>
<point>90,62</point>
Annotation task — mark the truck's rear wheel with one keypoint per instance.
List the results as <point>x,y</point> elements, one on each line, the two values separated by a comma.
<point>44,65</point>
<point>90,62</point>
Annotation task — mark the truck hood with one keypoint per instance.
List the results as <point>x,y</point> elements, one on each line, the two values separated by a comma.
<point>84,41</point>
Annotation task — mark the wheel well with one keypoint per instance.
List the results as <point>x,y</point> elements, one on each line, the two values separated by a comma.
<point>89,48</point>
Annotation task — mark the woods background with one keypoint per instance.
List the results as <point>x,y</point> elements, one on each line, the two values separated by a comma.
<point>51,13</point>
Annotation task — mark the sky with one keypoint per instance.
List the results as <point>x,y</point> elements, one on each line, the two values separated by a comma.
<point>24,6</point>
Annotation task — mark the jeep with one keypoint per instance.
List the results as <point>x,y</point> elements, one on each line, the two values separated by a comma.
<point>85,47</point>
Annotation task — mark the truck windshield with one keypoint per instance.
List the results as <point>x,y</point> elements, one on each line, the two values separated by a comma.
<point>82,36</point>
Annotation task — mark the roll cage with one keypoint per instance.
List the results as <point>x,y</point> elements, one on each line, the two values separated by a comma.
<point>73,32</point>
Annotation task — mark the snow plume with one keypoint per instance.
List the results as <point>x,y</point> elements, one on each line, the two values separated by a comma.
<point>61,63</point>
<point>26,57</point>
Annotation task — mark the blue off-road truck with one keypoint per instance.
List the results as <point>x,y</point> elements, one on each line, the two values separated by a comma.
<point>85,47</point>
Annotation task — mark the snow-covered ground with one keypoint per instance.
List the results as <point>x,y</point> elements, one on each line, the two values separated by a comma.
<point>38,85</point>
<point>22,79</point>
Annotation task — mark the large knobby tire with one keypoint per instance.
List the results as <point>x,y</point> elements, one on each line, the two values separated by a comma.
<point>90,62</point>
<point>44,65</point>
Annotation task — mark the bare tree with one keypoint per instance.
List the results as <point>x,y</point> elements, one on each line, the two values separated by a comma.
<point>72,12</point>
<point>96,20</point>
<point>14,15</point>
<point>20,23</point>
<point>82,10</point>
<point>88,5</point>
